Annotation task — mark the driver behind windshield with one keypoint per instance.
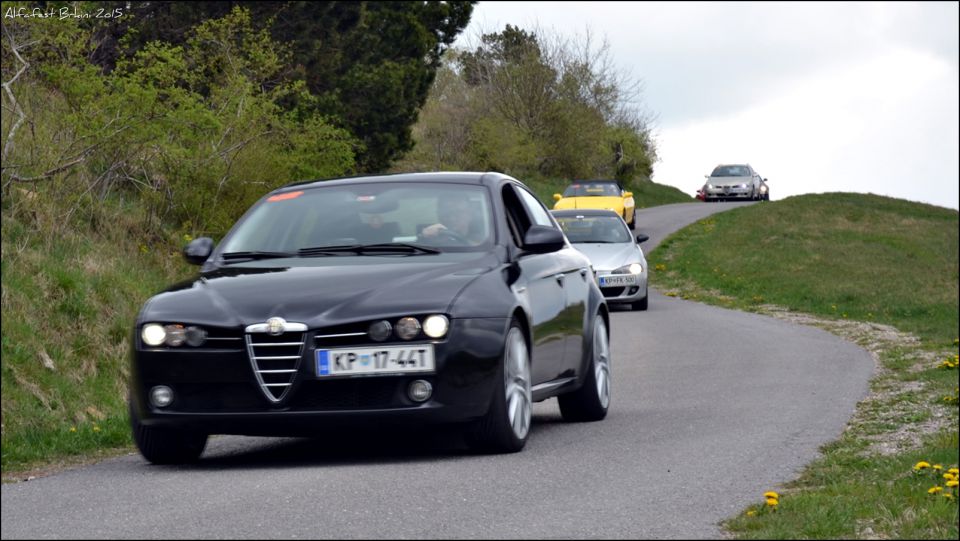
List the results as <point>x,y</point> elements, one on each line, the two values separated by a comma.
<point>457,222</point>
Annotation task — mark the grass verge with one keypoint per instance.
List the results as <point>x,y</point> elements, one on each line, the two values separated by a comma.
<point>881,273</point>
<point>68,305</point>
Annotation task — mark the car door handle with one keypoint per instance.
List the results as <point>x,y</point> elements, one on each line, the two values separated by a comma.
<point>583,273</point>
<point>559,278</point>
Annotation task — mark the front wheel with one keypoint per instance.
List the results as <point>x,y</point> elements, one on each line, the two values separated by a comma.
<point>591,401</point>
<point>506,425</point>
<point>633,219</point>
<point>166,445</point>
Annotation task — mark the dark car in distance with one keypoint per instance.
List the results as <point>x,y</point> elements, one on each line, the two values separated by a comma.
<point>447,298</point>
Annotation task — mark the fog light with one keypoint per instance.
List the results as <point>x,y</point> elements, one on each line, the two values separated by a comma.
<point>153,334</point>
<point>408,328</point>
<point>161,396</point>
<point>380,330</point>
<point>435,326</point>
<point>175,335</point>
<point>419,390</point>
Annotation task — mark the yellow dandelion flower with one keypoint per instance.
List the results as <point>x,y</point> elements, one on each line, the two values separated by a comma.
<point>921,465</point>
<point>96,428</point>
<point>73,429</point>
<point>947,495</point>
<point>953,483</point>
<point>954,471</point>
<point>949,476</point>
<point>771,494</point>
<point>751,513</point>
<point>772,502</point>
<point>937,467</point>
<point>934,490</point>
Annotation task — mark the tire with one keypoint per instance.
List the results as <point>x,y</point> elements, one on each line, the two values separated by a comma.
<point>633,219</point>
<point>591,401</point>
<point>506,425</point>
<point>642,303</point>
<point>166,445</point>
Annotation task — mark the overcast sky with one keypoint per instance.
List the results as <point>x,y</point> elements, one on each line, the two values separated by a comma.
<point>818,97</point>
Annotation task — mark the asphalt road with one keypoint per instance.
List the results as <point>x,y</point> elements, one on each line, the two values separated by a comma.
<point>710,408</point>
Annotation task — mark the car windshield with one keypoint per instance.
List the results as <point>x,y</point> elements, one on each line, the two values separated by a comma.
<point>594,229</point>
<point>346,217</point>
<point>731,171</point>
<point>585,189</point>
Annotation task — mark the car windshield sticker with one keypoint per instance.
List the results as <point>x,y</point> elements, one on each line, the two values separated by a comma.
<point>285,196</point>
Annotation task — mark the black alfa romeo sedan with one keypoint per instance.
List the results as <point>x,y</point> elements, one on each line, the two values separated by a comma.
<point>445,298</point>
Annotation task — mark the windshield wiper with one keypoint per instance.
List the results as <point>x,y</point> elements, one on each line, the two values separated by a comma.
<point>360,249</point>
<point>256,255</point>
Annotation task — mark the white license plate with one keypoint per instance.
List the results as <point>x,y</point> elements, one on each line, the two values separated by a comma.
<point>618,280</point>
<point>375,360</point>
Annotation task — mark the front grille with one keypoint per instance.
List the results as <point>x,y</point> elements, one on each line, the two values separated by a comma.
<point>612,291</point>
<point>222,339</point>
<point>275,361</point>
<point>354,334</point>
<point>357,393</point>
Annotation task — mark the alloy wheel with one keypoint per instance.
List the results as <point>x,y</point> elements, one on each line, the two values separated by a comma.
<point>516,378</point>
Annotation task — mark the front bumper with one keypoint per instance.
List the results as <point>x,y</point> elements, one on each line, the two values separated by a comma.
<point>626,293</point>
<point>727,193</point>
<point>216,391</point>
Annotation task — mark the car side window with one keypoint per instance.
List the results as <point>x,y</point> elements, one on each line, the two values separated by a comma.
<point>535,209</point>
<point>517,220</point>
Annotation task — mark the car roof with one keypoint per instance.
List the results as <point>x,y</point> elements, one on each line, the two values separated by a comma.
<point>584,212</point>
<point>447,177</point>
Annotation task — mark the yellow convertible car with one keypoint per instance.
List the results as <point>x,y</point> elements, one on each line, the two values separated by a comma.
<point>598,194</point>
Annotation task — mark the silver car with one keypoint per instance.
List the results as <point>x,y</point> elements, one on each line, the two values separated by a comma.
<point>736,182</point>
<point>619,265</point>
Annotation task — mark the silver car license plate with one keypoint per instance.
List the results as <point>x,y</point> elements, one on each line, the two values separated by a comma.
<point>618,280</point>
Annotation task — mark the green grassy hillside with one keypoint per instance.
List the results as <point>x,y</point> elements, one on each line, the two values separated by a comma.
<point>880,272</point>
<point>72,284</point>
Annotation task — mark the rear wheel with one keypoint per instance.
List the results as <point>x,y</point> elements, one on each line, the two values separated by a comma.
<point>591,401</point>
<point>633,219</point>
<point>506,425</point>
<point>166,445</point>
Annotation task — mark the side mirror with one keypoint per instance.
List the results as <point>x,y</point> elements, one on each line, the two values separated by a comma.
<point>706,176</point>
<point>197,252</point>
<point>541,239</point>
<point>641,238</point>
<point>557,197</point>
<point>765,180</point>
<point>628,194</point>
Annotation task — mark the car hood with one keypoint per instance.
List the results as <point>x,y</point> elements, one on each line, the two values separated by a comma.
<point>729,181</point>
<point>330,292</point>
<point>608,257</point>
<point>591,202</point>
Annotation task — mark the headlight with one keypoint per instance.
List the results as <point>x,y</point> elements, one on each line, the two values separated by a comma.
<point>153,334</point>
<point>633,268</point>
<point>173,335</point>
<point>763,189</point>
<point>408,328</point>
<point>436,326</point>
<point>195,336</point>
<point>742,186</point>
<point>709,186</point>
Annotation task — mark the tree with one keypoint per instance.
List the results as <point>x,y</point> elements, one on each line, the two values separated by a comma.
<point>368,64</point>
